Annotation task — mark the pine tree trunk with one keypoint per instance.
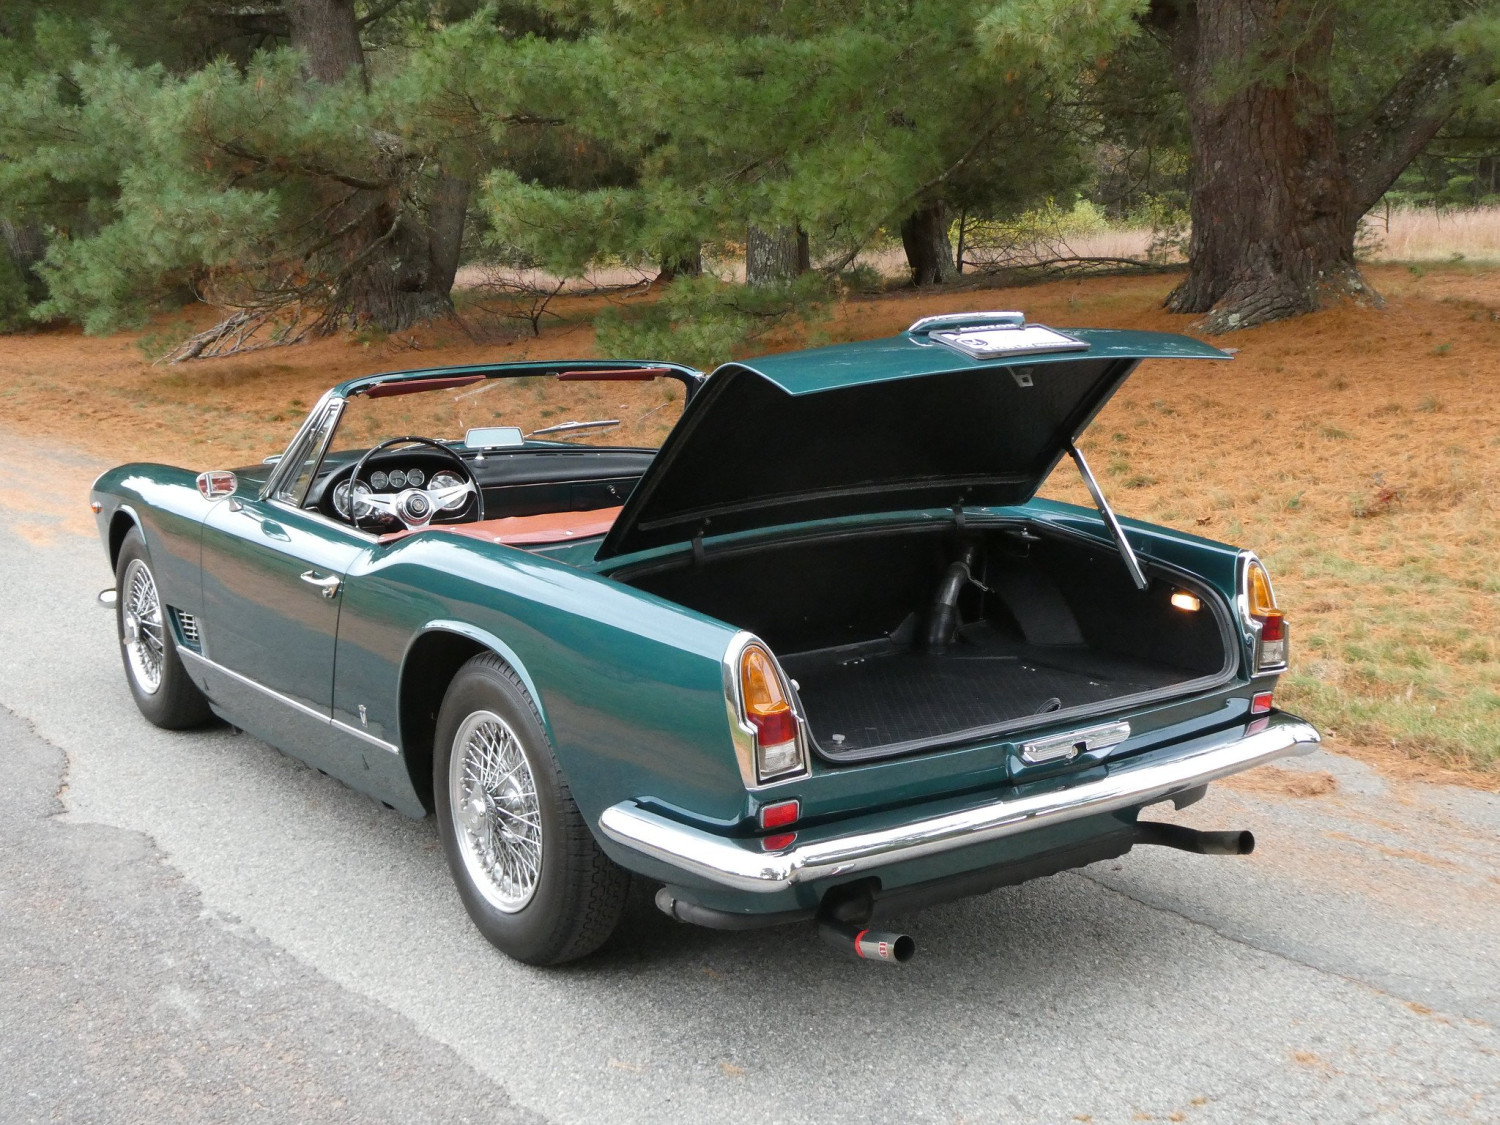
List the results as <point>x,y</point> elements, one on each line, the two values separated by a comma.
<point>924,235</point>
<point>1272,223</point>
<point>681,264</point>
<point>398,269</point>
<point>447,210</point>
<point>25,244</point>
<point>327,34</point>
<point>775,256</point>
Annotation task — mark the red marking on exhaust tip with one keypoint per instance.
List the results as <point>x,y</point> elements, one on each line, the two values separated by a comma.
<point>857,939</point>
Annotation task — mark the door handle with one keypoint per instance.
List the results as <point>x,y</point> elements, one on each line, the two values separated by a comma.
<point>329,584</point>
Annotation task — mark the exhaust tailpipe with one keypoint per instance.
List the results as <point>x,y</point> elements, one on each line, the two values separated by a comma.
<point>868,944</point>
<point>1192,840</point>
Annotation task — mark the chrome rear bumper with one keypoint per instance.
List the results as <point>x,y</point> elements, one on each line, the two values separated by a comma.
<point>742,865</point>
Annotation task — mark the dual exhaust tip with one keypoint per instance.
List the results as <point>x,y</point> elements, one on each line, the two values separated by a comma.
<point>891,948</point>
<point>897,949</point>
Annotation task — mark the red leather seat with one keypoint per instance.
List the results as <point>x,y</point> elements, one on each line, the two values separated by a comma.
<point>529,531</point>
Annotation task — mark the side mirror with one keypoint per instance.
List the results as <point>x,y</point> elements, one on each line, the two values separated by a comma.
<point>217,483</point>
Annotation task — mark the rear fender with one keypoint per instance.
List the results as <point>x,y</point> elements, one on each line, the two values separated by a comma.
<point>629,687</point>
<point>488,640</point>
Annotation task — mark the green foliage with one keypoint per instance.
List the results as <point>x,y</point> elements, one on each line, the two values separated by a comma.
<point>839,118</point>
<point>172,147</point>
<point>704,321</point>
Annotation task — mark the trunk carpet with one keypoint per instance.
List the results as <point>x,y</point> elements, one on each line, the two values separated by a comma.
<point>903,696</point>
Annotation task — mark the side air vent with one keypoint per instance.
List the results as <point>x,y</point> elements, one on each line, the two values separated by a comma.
<point>187,626</point>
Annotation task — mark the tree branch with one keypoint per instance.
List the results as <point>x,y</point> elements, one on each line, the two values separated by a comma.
<point>1379,148</point>
<point>378,14</point>
<point>314,170</point>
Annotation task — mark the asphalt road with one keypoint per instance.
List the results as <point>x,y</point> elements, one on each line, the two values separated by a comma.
<point>193,926</point>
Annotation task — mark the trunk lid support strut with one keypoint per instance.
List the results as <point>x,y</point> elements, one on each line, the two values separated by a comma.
<point>1127,552</point>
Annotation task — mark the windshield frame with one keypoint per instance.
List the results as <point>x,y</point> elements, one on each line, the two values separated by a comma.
<point>334,400</point>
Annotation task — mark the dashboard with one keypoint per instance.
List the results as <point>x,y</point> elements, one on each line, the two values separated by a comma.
<point>516,482</point>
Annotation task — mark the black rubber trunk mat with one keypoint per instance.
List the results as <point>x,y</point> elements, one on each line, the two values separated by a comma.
<point>904,696</point>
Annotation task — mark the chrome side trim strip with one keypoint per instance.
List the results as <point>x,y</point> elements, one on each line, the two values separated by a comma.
<point>365,736</point>
<point>741,864</point>
<point>311,712</point>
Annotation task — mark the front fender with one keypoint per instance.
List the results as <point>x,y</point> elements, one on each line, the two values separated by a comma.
<point>164,502</point>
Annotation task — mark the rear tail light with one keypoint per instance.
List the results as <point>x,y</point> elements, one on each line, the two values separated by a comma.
<point>767,709</point>
<point>1267,623</point>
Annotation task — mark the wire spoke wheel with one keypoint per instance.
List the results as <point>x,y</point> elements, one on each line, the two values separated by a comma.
<point>497,816</point>
<point>143,628</point>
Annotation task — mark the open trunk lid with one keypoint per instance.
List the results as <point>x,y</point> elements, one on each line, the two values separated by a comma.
<point>969,410</point>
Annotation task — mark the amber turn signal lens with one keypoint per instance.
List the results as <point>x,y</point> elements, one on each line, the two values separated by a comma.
<point>1263,604</point>
<point>768,710</point>
<point>766,704</point>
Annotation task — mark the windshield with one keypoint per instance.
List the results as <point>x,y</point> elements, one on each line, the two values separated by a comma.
<point>533,409</point>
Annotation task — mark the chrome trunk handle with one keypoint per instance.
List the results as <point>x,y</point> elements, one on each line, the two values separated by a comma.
<point>329,584</point>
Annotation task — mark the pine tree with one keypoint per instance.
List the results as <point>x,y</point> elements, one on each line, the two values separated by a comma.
<point>1302,115</point>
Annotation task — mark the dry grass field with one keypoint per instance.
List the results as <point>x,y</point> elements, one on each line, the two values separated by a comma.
<point>1404,235</point>
<point>1357,450</point>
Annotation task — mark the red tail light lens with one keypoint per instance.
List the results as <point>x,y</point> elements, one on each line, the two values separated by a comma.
<point>780,814</point>
<point>768,711</point>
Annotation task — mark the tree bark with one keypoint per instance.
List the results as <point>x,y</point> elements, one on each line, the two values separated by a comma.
<point>25,244</point>
<point>1276,193</point>
<point>398,269</point>
<point>327,34</point>
<point>447,211</point>
<point>775,256</point>
<point>1378,150</point>
<point>681,264</point>
<point>924,234</point>
<point>1272,221</point>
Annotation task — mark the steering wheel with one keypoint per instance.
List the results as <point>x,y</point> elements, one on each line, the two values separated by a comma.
<point>414,508</point>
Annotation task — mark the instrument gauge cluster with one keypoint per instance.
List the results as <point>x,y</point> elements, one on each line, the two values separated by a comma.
<point>394,480</point>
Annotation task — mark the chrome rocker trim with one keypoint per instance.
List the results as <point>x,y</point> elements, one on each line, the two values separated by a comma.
<point>740,864</point>
<point>311,712</point>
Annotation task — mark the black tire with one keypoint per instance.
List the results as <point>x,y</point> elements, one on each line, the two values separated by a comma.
<point>174,703</point>
<point>575,901</point>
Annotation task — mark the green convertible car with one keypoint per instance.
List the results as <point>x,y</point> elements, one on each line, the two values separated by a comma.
<point>822,656</point>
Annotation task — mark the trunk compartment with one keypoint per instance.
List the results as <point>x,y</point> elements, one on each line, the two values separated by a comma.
<point>895,649</point>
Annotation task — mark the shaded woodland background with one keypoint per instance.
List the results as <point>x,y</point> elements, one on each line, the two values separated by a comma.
<point>310,167</point>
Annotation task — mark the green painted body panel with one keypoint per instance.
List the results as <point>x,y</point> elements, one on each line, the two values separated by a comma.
<point>630,687</point>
